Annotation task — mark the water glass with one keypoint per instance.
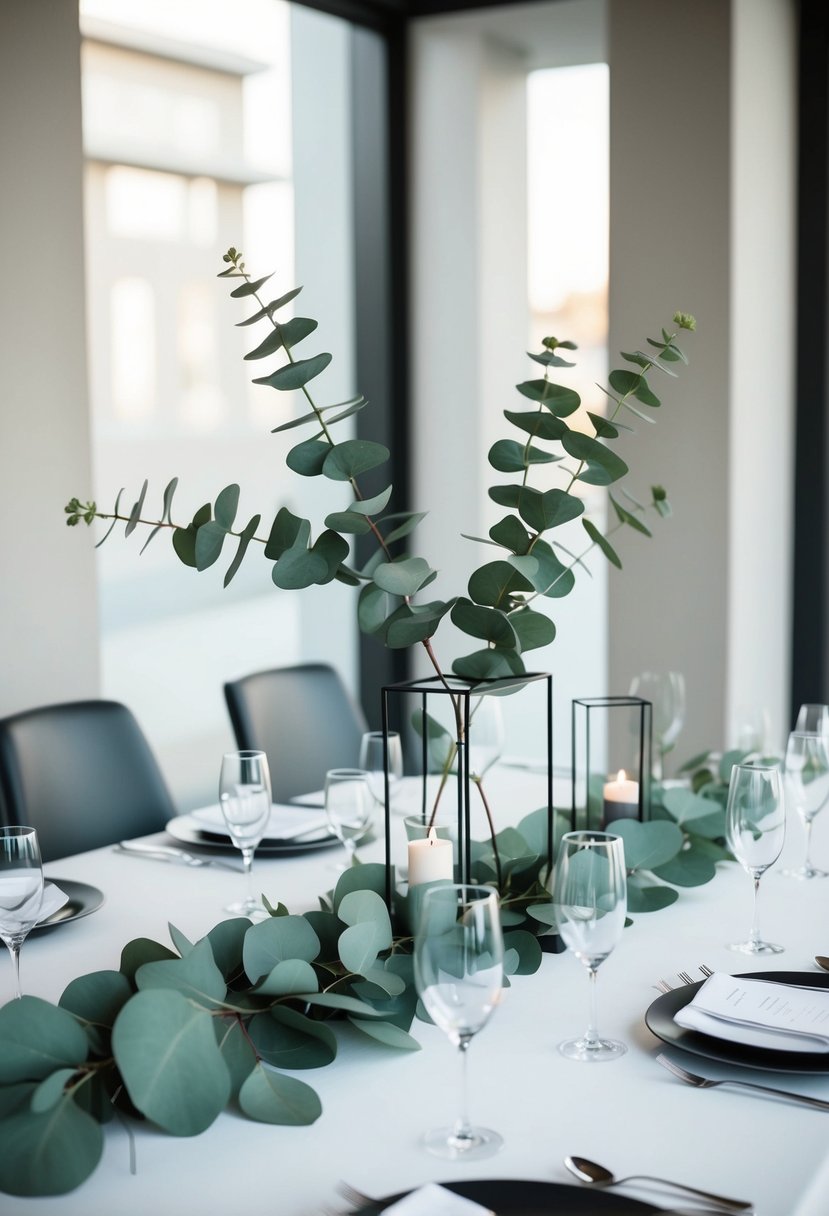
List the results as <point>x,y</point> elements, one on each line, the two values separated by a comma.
<point>666,692</point>
<point>245,801</point>
<point>21,890</point>
<point>459,973</point>
<point>372,761</point>
<point>755,826</point>
<point>348,804</point>
<point>590,898</point>
<point>807,787</point>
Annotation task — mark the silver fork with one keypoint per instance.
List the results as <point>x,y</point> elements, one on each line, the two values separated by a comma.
<point>692,1078</point>
<point>356,1198</point>
<point>706,971</point>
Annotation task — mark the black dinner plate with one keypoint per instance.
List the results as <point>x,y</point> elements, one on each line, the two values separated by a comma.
<point>509,1197</point>
<point>659,1019</point>
<point>83,899</point>
<point>183,830</point>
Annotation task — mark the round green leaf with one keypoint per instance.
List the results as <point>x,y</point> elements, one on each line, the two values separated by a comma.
<point>299,568</point>
<point>412,623</point>
<point>226,506</point>
<point>291,977</point>
<point>552,578</point>
<point>648,845</point>
<point>690,868</point>
<point>348,521</point>
<point>308,458</point>
<point>491,624</point>
<point>386,1032</point>
<point>537,424</point>
<point>353,457</point>
<point>403,577</point>
<point>558,399</point>
<point>296,375</point>
<point>509,456</point>
<point>50,1153</point>
<point>237,1052</point>
<point>49,1091</point>
<point>276,940</point>
<point>167,1053</point>
<point>511,533</point>
<point>643,898</point>
<point>97,998</point>
<point>270,1097</point>
<point>36,1038</point>
<point>603,466</point>
<point>527,948</point>
<point>533,629</point>
<point>286,1038</point>
<point>488,665</point>
<point>139,951</point>
<point>494,583</point>
<point>209,540</point>
<point>226,942</point>
<point>196,975</point>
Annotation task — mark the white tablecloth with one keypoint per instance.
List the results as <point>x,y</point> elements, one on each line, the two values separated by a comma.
<point>629,1114</point>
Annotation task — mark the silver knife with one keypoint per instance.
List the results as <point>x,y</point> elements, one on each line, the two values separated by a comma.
<point>160,852</point>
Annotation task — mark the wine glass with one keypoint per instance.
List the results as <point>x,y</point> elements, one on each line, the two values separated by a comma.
<point>372,762</point>
<point>807,787</point>
<point>590,897</point>
<point>755,828</point>
<point>813,719</point>
<point>666,693</point>
<point>21,890</point>
<point>348,802</point>
<point>459,972</point>
<point>245,801</point>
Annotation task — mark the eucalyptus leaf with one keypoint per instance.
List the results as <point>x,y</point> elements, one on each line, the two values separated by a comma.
<point>532,629</point>
<point>37,1038</point>
<point>236,1051</point>
<point>139,951</point>
<point>196,976</point>
<point>226,506</point>
<point>308,458</point>
<point>648,845</point>
<point>287,531</point>
<point>50,1153</point>
<point>209,541</point>
<point>353,457</point>
<point>386,1032</point>
<point>402,577</point>
<point>508,456</point>
<point>646,898</point>
<point>603,543</point>
<point>538,424</point>
<point>511,534</point>
<point>602,466</point>
<point>245,538</point>
<point>296,375</point>
<point>286,1038</point>
<point>488,623</point>
<point>270,1097</point>
<point>96,998</point>
<point>298,568</point>
<point>51,1089</point>
<point>170,1062</point>
<point>274,941</point>
<point>495,583</point>
<point>291,977</point>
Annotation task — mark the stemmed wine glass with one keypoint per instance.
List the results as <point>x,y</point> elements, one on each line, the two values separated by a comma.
<point>372,762</point>
<point>245,801</point>
<point>21,890</point>
<point>666,693</point>
<point>755,827</point>
<point>459,972</point>
<point>590,897</point>
<point>807,787</point>
<point>813,718</point>
<point>348,802</point>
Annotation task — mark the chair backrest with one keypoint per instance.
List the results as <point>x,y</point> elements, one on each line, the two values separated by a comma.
<point>303,718</point>
<point>83,774</point>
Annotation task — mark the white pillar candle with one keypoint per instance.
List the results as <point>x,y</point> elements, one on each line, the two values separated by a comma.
<point>430,860</point>
<point>621,798</point>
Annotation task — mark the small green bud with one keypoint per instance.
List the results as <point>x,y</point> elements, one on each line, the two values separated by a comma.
<point>685,321</point>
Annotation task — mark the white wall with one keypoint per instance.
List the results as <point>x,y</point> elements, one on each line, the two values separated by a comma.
<point>710,595</point>
<point>48,610</point>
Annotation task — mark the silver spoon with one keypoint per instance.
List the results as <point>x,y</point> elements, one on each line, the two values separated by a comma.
<point>596,1175</point>
<point>158,852</point>
<point>822,961</point>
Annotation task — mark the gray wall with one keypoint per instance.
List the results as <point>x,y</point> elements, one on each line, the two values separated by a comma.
<point>48,609</point>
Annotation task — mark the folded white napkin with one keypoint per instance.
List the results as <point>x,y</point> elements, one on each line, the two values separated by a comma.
<point>53,899</point>
<point>285,822</point>
<point>760,1013</point>
<point>434,1200</point>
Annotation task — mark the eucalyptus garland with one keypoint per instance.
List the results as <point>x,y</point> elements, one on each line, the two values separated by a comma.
<point>175,1035</point>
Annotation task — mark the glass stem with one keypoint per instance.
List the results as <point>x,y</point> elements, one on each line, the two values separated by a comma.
<point>755,920</point>
<point>591,1036</point>
<point>462,1130</point>
<point>807,824</point>
<point>247,866</point>
<point>14,951</point>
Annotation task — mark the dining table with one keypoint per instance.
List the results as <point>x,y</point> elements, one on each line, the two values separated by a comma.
<point>629,1114</point>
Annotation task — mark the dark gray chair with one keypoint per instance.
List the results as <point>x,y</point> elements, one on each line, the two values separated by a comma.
<point>83,774</point>
<point>303,717</point>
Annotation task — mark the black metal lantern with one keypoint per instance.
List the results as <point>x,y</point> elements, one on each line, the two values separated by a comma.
<point>611,747</point>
